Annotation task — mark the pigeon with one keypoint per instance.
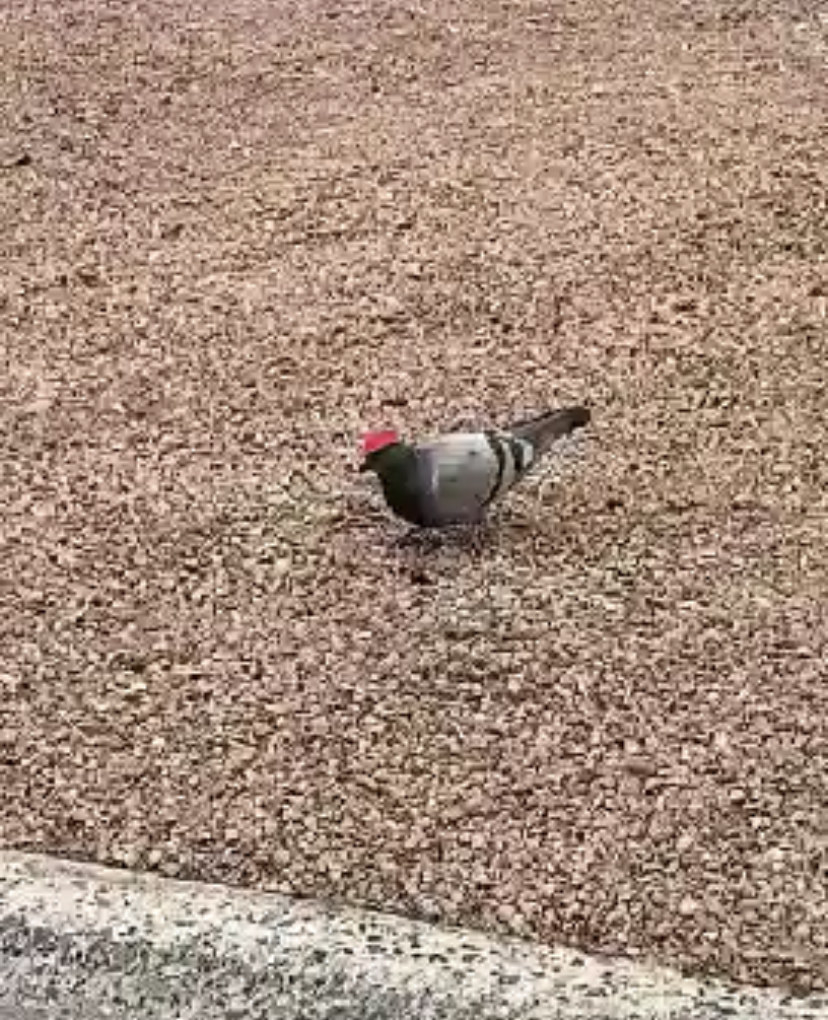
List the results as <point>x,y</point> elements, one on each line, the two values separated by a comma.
<point>456,477</point>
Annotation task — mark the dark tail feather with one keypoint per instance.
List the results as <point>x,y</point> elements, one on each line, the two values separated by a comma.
<point>543,430</point>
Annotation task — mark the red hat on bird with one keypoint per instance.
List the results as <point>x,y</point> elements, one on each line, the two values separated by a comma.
<point>373,441</point>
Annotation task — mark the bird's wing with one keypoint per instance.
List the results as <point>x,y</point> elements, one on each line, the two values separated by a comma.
<point>462,474</point>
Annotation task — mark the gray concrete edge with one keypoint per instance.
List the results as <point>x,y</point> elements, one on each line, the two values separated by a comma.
<point>82,942</point>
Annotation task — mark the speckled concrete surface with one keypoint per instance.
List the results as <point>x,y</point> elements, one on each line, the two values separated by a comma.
<point>236,233</point>
<point>83,942</point>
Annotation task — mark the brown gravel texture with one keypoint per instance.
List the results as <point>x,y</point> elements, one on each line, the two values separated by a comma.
<point>234,234</point>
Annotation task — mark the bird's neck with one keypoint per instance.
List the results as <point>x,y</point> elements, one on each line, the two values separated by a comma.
<point>397,469</point>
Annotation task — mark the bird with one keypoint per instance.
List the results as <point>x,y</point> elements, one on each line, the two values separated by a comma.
<point>455,478</point>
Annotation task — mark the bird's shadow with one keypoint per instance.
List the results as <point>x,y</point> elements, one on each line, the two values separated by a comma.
<point>497,531</point>
<point>502,527</point>
<point>460,537</point>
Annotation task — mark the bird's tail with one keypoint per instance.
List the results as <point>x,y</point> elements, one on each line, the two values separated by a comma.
<point>544,429</point>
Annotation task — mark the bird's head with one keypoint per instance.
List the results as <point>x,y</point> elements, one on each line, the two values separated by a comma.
<point>373,445</point>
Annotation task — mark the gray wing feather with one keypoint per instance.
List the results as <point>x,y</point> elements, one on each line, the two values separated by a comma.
<point>461,470</point>
<point>460,473</point>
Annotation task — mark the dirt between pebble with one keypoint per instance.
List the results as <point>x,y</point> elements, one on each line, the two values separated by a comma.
<point>234,235</point>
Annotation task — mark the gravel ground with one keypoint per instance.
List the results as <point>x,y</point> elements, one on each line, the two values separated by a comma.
<point>238,233</point>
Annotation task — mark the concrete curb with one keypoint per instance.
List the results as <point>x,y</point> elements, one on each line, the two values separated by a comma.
<point>81,942</point>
